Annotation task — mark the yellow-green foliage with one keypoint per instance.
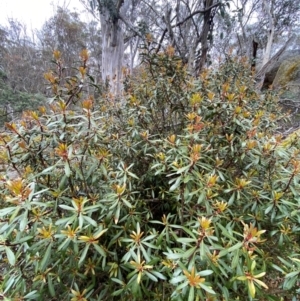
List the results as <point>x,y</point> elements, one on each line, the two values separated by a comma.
<point>118,202</point>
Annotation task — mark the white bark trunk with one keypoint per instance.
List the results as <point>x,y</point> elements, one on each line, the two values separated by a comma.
<point>267,52</point>
<point>268,49</point>
<point>112,52</point>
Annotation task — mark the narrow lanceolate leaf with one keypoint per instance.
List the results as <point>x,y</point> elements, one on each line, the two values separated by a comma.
<point>186,254</point>
<point>90,221</point>
<point>46,257</point>
<point>231,249</point>
<point>83,255</point>
<point>24,221</point>
<point>205,273</point>
<point>126,203</point>
<point>191,294</point>
<point>99,250</point>
<point>33,295</point>
<point>6,211</point>
<point>10,256</point>
<point>67,169</point>
<point>207,288</point>
<point>98,234</point>
<point>150,276</point>
<point>251,288</point>
<point>176,184</point>
<point>158,275</point>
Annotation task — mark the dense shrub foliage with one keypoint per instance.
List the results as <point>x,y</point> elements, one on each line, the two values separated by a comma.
<point>185,191</point>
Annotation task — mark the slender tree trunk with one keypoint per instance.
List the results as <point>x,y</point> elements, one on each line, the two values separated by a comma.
<point>267,51</point>
<point>112,50</point>
<point>204,35</point>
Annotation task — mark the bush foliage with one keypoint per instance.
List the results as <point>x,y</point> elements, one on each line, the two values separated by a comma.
<point>183,191</point>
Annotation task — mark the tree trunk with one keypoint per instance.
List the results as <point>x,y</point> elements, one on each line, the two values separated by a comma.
<point>112,51</point>
<point>267,52</point>
<point>208,18</point>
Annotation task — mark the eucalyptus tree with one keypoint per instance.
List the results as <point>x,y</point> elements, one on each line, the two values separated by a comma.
<point>188,27</point>
<point>65,32</point>
<point>185,25</point>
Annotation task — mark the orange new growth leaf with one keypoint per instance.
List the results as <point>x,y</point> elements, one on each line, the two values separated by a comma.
<point>70,233</point>
<point>46,233</point>
<point>62,151</point>
<point>251,234</point>
<point>87,104</point>
<point>18,189</point>
<point>193,278</point>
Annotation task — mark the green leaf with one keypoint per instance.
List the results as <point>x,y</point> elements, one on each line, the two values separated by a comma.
<point>126,203</point>
<point>67,169</point>
<point>66,207</point>
<point>177,279</point>
<point>225,233</point>
<point>118,292</point>
<point>6,211</point>
<point>276,267</point>
<point>24,221</point>
<point>207,288</point>
<point>269,208</point>
<point>99,250</point>
<point>158,275</point>
<point>232,198</point>
<point>150,276</point>
<point>290,282</point>
<point>66,220</point>
<point>10,255</point>
<point>235,247</point>
<point>80,220</point>
<point>24,239</point>
<point>83,254</point>
<point>205,273</point>
<point>235,259</point>
<point>183,169</point>
<point>33,295</point>
<point>186,254</point>
<point>90,221</point>
<point>50,286</point>
<point>9,283</point>
<point>46,258</point>
<point>145,254</point>
<point>191,294</point>
<point>292,274</point>
<point>186,240</point>
<point>176,184</point>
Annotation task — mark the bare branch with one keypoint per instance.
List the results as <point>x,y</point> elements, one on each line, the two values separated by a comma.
<point>123,19</point>
<point>196,13</point>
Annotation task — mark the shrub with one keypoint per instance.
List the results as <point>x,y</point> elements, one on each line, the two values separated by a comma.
<point>108,206</point>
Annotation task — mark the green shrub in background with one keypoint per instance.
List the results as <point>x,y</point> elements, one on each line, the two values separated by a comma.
<point>114,201</point>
